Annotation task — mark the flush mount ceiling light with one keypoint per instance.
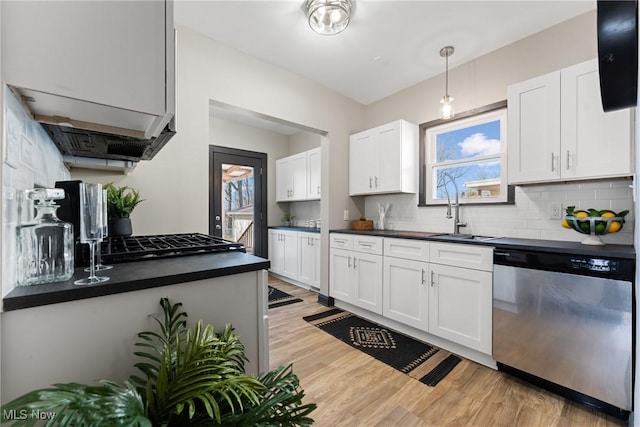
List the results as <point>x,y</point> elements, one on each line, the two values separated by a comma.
<point>446,109</point>
<point>328,17</point>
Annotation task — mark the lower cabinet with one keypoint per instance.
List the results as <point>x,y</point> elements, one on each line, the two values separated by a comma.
<point>283,252</point>
<point>309,258</point>
<point>356,274</point>
<point>460,306</point>
<point>404,289</point>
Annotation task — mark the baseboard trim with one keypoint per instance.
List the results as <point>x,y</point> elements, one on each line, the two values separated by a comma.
<point>325,300</point>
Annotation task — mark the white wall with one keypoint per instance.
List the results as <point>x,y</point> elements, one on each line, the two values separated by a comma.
<point>30,159</point>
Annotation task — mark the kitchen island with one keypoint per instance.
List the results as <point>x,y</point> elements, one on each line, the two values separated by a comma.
<point>62,332</point>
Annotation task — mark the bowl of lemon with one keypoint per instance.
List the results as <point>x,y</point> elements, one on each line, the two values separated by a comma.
<point>593,222</point>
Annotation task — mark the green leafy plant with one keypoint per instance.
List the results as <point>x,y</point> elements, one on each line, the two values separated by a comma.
<point>190,377</point>
<point>121,201</point>
<point>288,217</point>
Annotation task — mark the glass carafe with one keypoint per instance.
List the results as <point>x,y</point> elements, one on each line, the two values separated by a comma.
<point>45,244</point>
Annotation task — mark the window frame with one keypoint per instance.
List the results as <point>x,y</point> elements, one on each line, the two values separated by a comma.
<point>425,165</point>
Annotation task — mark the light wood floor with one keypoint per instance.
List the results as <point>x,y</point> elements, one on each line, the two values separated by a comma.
<point>353,389</point>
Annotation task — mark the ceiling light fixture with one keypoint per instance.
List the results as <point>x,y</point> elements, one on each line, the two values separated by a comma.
<point>446,109</point>
<point>328,17</point>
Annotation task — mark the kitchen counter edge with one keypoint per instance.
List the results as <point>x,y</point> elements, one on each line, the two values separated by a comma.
<point>134,276</point>
<point>294,228</point>
<point>556,246</point>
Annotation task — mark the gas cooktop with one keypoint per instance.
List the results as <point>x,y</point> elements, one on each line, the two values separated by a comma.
<point>135,248</point>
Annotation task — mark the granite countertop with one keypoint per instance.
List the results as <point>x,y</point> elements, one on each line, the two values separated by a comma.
<point>133,276</point>
<point>557,246</point>
<point>294,228</point>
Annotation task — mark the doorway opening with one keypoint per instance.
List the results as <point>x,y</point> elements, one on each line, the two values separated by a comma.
<point>238,197</point>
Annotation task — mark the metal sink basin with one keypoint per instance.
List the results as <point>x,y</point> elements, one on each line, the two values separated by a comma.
<point>454,236</point>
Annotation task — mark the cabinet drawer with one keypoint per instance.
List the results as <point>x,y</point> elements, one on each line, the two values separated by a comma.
<point>341,241</point>
<point>368,244</point>
<point>417,250</point>
<point>462,255</point>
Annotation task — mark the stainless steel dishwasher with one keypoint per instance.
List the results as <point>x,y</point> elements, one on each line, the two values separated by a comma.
<point>565,323</point>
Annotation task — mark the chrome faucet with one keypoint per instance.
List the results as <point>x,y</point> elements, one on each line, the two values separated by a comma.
<point>456,220</point>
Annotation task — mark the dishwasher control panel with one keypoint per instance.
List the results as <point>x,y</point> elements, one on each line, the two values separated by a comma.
<point>595,264</point>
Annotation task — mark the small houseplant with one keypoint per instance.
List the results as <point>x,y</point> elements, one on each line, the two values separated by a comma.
<point>189,376</point>
<point>287,219</point>
<point>120,203</point>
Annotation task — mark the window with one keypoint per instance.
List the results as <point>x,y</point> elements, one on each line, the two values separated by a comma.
<point>465,157</point>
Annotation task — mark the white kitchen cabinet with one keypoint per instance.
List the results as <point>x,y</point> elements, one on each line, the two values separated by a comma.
<point>283,252</point>
<point>559,131</point>
<point>291,178</point>
<point>314,174</point>
<point>356,272</point>
<point>109,63</point>
<point>309,258</point>
<point>384,159</point>
<point>404,284</point>
<point>460,294</point>
<point>405,291</point>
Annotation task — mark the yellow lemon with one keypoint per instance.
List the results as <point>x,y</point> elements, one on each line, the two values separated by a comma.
<point>581,214</point>
<point>615,226</point>
<point>565,224</point>
<point>608,214</point>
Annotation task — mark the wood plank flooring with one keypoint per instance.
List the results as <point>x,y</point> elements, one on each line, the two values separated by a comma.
<point>353,389</point>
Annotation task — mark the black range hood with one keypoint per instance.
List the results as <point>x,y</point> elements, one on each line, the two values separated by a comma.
<point>618,53</point>
<point>100,145</point>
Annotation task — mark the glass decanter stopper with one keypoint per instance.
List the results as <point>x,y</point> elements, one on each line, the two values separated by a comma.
<point>45,244</point>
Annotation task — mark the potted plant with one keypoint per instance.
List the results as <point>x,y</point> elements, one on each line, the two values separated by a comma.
<point>287,219</point>
<point>362,223</point>
<point>120,203</point>
<point>189,376</point>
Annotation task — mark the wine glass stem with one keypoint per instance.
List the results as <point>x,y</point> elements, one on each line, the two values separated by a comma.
<point>92,262</point>
<point>98,254</point>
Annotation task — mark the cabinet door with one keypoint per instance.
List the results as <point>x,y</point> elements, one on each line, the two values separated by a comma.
<point>340,268</point>
<point>283,173</point>
<point>361,163</point>
<point>594,143</point>
<point>276,252</point>
<point>298,179</point>
<point>290,268</point>
<point>317,254</point>
<point>534,130</point>
<point>308,270</point>
<point>404,286</point>
<point>313,166</point>
<point>388,159</point>
<point>460,302</point>
<point>367,283</point>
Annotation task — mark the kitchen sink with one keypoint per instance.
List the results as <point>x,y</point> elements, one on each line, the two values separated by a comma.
<point>456,236</point>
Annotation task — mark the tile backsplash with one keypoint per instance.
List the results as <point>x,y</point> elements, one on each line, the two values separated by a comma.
<point>529,217</point>
<point>30,159</point>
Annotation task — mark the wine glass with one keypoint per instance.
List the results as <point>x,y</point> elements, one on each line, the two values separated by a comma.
<point>91,230</point>
<point>105,229</point>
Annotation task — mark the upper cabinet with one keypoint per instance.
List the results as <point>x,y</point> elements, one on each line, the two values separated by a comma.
<point>558,130</point>
<point>384,159</point>
<point>104,66</point>
<point>298,177</point>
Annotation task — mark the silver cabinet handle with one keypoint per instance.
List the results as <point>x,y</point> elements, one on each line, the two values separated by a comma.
<point>433,280</point>
<point>568,156</point>
<point>354,262</point>
<point>366,245</point>
<point>340,241</point>
<point>349,262</point>
<point>423,281</point>
<point>376,182</point>
<point>318,189</point>
<point>553,162</point>
<point>370,183</point>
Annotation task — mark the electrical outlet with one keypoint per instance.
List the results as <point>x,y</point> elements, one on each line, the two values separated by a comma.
<point>345,215</point>
<point>555,211</point>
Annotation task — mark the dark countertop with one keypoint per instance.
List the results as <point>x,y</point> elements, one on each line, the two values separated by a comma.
<point>292,228</point>
<point>557,246</point>
<point>133,276</point>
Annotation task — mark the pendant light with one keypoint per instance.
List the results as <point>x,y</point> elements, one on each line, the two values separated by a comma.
<point>328,17</point>
<point>446,109</point>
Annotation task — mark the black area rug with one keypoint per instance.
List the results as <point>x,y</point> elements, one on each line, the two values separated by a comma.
<point>278,298</point>
<point>424,362</point>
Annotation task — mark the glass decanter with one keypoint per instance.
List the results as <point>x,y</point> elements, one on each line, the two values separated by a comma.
<point>45,244</point>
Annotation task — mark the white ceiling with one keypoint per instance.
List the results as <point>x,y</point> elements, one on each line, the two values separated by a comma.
<point>388,46</point>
